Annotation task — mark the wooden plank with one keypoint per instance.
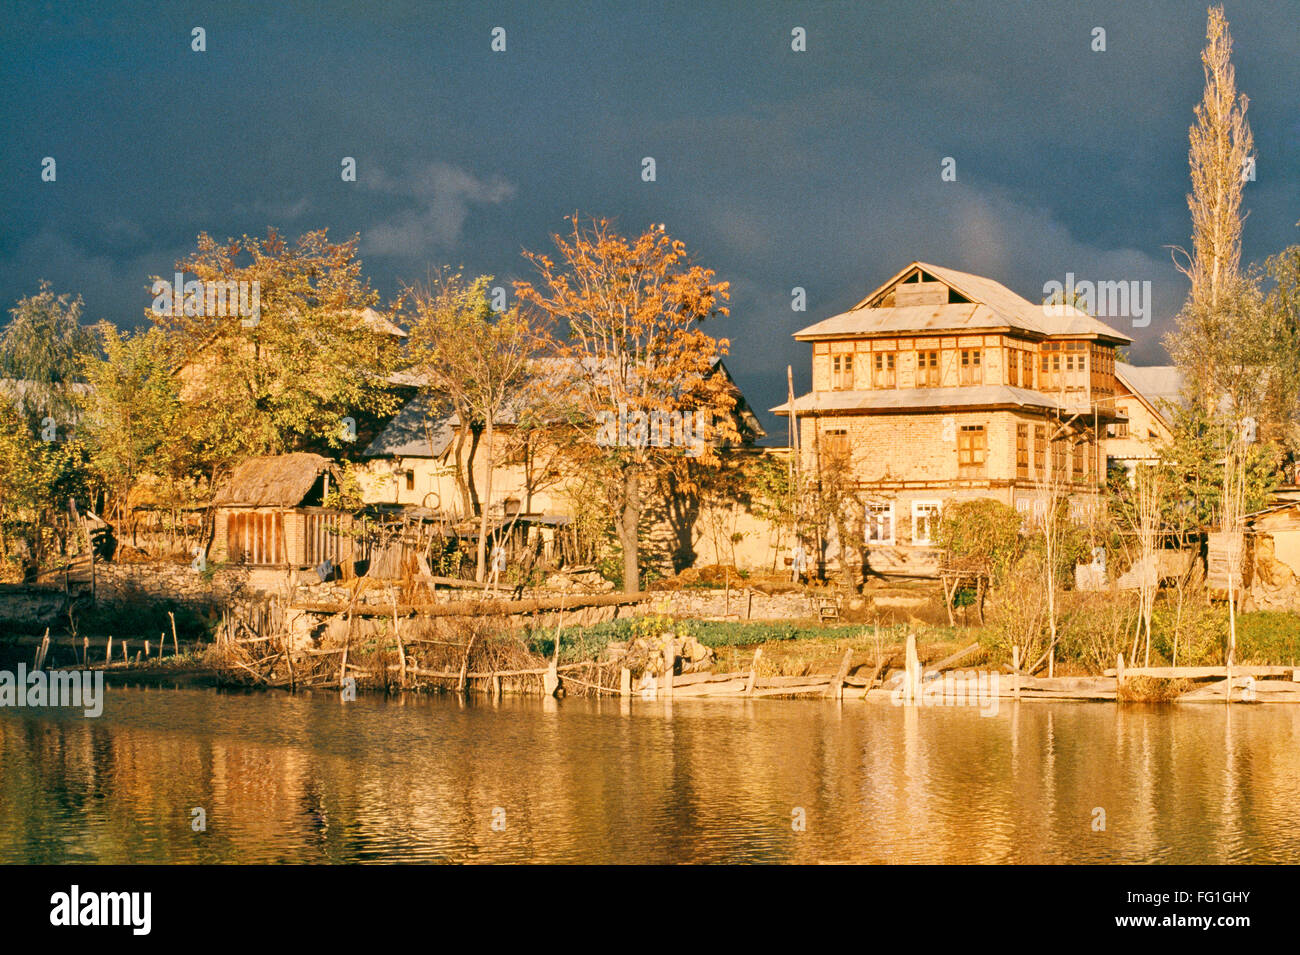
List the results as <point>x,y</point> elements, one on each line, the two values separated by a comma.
<point>480,608</point>
<point>953,658</point>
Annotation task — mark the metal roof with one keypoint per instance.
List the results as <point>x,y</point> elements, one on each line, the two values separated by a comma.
<point>992,305</point>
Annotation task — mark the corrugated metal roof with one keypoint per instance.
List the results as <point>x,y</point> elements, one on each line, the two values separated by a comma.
<point>1152,382</point>
<point>993,305</point>
<point>419,430</point>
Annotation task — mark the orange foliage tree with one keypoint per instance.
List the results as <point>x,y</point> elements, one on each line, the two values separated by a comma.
<point>640,385</point>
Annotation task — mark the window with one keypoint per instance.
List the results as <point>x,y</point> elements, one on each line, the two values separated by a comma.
<point>1058,457</point>
<point>1117,430</point>
<point>971,449</point>
<point>835,444</point>
<point>410,480</point>
<point>971,372</point>
<point>1040,450</point>
<point>884,371</point>
<point>880,522</point>
<point>1013,367</point>
<point>1022,452</point>
<point>925,522</point>
<point>841,372</point>
<point>927,369</point>
<point>1080,462</point>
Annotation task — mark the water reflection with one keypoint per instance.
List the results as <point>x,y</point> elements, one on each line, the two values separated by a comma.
<point>309,778</point>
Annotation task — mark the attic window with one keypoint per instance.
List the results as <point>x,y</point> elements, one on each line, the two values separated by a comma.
<point>956,298</point>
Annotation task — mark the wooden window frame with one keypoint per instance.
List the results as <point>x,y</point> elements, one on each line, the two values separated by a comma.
<point>972,452</point>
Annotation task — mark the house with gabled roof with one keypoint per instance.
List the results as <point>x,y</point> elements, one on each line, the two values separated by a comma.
<point>1146,398</point>
<point>941,385</point>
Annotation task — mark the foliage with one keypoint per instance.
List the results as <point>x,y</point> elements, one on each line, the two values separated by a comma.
<point>285,379</point>
<point>480,364</point>
<point>1194,461</point>
<point>42,347</point>
<point>631,309</point>
<point>130,413</point>
<point>985,533</point>
<point>345,494</point>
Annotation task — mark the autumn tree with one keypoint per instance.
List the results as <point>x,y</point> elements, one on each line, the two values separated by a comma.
<point>477,363</point>
<point>285,377</point>
<point>630,311</point>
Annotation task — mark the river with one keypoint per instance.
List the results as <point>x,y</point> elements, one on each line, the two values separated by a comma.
<point>311,778</point>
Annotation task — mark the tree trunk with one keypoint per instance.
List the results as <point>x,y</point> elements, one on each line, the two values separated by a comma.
<point>480,566</point>
<point>627,531</point>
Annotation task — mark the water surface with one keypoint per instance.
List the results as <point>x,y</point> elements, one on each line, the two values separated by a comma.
<point>310,778</point>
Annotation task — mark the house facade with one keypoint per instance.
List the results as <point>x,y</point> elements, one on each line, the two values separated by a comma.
<point>942,386</point>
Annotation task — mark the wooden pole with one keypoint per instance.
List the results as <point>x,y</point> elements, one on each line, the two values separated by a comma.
<point>912,670</point>
<point>108,654</point>
<point>176,648</point>
<point>1015,671</point>
<point>397,635</point>
<point>1119,675</point>
<point>836,689</point>
<point>753,673</point>
<point>670,663</point>
<point>625,682</point>
<point>124,657</point>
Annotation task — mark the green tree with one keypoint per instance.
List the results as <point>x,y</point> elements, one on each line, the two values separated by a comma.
<point>130,414</point>
<point>285,378</point>
<point>41,349</point>
<point>478,362</point>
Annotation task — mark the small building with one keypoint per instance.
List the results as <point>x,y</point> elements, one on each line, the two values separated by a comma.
<point>271,513</point>
<point>1145,400</point>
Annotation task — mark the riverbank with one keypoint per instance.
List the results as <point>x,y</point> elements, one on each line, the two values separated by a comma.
<point>439,635</point>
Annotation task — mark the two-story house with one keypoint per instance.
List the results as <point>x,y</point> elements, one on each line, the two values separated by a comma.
<point>943,386</point>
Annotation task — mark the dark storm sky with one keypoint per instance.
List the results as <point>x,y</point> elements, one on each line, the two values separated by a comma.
<point>779,169</point>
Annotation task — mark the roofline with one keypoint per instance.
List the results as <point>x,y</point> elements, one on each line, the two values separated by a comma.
<point>783,411</point>
<point>1150,405</point>
<point>932,333</point>
<point>896,277</point>
<point>1119,338</point>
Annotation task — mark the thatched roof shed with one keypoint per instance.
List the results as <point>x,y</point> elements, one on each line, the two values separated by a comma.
<point>281,480</point>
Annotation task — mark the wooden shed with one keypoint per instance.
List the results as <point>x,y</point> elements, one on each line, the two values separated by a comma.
<point>271,512</point>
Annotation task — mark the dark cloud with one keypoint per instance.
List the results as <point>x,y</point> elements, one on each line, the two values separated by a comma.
<point>779,169</point>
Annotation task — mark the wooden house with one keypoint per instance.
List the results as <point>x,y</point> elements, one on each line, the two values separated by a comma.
<point>271,513</point>
<point>941,386</point>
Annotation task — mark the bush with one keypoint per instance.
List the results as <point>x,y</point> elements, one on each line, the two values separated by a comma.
<point>984,532</point>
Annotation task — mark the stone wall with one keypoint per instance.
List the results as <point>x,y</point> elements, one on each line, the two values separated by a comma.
<point>121,585</point>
